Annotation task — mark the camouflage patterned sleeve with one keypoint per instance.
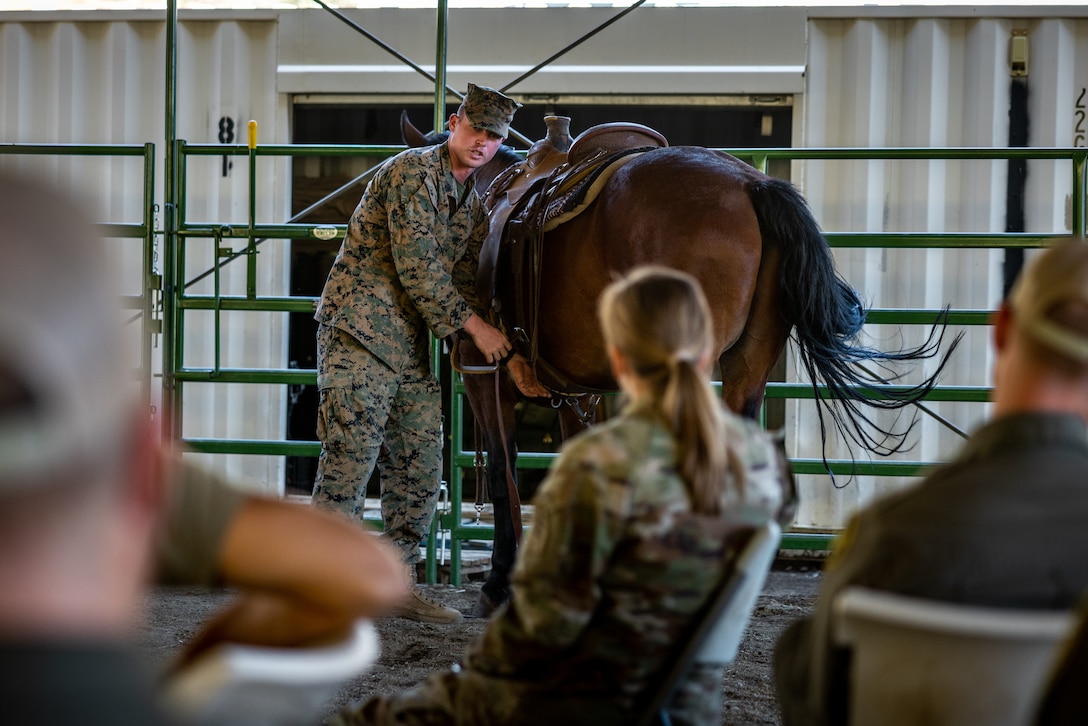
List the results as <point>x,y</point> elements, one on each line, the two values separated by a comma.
<point>464,273</point>
<point>557,575</point>
<point>424,264</point>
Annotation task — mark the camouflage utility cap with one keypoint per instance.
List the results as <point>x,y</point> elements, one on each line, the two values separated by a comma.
<point>488,109</point>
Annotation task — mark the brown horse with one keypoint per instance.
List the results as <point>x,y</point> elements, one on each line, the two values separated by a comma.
<point>763,263</point>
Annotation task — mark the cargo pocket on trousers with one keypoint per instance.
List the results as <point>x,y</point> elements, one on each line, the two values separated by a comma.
<point>334,415</point>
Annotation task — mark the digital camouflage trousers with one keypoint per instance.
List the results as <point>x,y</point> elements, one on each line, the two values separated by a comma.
<point>371,416</point>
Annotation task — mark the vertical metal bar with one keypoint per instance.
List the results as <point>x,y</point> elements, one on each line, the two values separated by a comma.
<point>440,66</point>
<point>431,566</point>
<point>251,247</point>
<point>171,421</point>
<point>760,161</point>
<point>151,284</point>
<point>1079,191</point>
<point>178,279</point>
<point>456,480</point>
<point>218,293</point>
<point>431,558</point>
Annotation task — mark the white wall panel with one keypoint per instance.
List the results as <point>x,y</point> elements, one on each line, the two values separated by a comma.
<point>926,82</point>
<point>1052,93</point>
<point>103,82</point>
<point>226,71</point>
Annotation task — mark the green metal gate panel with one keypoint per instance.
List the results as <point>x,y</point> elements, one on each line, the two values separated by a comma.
<point>450,525</point>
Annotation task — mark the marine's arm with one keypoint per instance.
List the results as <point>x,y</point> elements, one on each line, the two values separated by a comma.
<point>422,263</point>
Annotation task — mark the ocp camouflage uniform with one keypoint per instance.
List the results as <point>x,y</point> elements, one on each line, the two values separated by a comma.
<point>611,573</point>
<point>407,265</point>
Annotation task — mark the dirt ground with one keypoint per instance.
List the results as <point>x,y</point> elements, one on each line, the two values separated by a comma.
<point>412,650</point>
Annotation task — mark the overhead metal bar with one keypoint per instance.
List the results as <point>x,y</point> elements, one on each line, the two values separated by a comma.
<point>439,77</point>
<point>388,48</point>
<point>570,47</point>
<point>440,66</point>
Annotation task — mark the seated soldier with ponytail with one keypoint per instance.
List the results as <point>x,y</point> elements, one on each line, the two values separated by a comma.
<point>629,537</point>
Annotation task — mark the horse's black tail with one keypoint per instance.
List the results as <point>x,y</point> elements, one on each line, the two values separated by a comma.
<point>827,316</point>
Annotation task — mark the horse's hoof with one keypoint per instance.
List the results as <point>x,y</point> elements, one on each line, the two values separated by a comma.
<point>485,607</point>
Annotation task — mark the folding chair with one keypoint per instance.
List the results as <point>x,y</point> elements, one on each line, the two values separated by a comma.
<point>1064,700</point>
<point>917,661</point>
<point>716,634</point>
<point>256,686</point>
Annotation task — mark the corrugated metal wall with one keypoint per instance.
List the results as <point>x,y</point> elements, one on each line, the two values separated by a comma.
<point>873,80</point>
<point>100,79</point>
<point>225,79</point>
<point>929,82</point>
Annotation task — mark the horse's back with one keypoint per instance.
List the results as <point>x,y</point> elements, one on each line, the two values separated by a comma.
<point>682,207</point>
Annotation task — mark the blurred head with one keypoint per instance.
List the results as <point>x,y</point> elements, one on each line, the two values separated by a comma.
<point>657,318</point>
<point>657,327</point>
<point>1041,335</point>
<point>1050,304</point>
<point>79,487</point>
<point>64,399</point>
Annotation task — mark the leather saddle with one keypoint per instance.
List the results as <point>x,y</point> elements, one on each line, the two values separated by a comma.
<point>559,178</point>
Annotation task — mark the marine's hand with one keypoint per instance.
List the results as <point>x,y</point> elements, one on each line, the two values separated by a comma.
<point>525,378</point>
<point>488,339</point>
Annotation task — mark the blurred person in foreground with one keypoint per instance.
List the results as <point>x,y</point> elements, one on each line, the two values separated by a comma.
<point>303,576</point>
<point>631,532</point>
<point>1003,525</point>
<point>91,505</point>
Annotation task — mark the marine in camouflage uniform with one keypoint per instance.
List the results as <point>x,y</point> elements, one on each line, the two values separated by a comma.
<point>612,571</point>
<point>406,266</point>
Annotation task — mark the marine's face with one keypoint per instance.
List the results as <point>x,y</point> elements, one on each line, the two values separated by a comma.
<point>470,148</point>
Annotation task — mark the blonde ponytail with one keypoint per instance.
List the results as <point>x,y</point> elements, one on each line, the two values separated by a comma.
<point>659,321</point>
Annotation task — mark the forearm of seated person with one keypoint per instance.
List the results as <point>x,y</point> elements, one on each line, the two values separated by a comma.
<point>269,621</point>
<point>319,558</point>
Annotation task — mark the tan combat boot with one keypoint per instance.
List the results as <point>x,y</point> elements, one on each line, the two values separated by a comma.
<point>417,606</point>
<point>421,608</point>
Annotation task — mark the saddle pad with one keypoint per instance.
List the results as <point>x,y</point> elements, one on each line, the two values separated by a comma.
<point>569,203</point>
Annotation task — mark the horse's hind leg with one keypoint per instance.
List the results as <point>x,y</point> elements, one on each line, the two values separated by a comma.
<point>744,380</point>
<point>747,364</point>
<point>496,589</point>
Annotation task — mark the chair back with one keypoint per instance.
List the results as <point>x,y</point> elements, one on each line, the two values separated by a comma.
<point>917,661</point>
<point>716,635</point>
<point>721,641</point>
<point>259,686</point>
